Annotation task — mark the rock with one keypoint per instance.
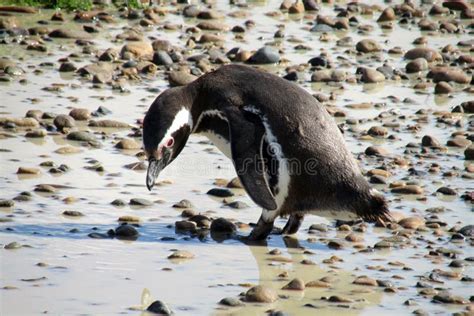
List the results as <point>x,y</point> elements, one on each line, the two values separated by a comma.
<point>38,133</point>
<point>468,106</point>
<point>181,254</point>
<point>209,15</point>
<point>388,14</point>
<point>446,191</point>
<point>12,245</point>
<point>443,87</point>
<point>469,153</point>
<point>408,189</point>
<point>368,46</point>
<point>428,54</point>
<point>183,204</point>
<point>369,75</point>
<point>467,231</point>
<point>185,226</point>
<point>430,141</point>
<point>448,74</point>
<point>212,26</point>
<point>67,67</point>
<point>118,202</point>
<point>459,141</point>
<point>377,131</point>
<point>161,58</point>
<point>140,202</point>
<point>69,33</point>
<point>237,205</point>
<point>235,184</point>
<point>417,65</point>
<point>191,11</point>
<point>335,244</point>
<point>412,222</point>
<point>108,124</point>
<point>180,78</point>
<point>222,225</point>
<point>231,301</point>
<point>80,114</point>
<point>128,219</point>
<point>7,203</point>
<point>376,151</point>
<point>66,150</point>
<point>327,75</point>
<point>64,121</point>
<point>81,136</point>
<point>447,298</point>
<point>318,283</point>
<point>19,122</point>
<point>136,50</point>
<point>220,192</point>
<point>297,7</point>
<point>296,284</point>
<point>46,188</point>
<point>159,307</point>
<point>73,213</point>
<point>128,144</point>
<point>339,299</point>
<point>28,170</point>
<point>126,231</point>
<point>364,280</point>
<point>261,294</point>
<point>265,55</point>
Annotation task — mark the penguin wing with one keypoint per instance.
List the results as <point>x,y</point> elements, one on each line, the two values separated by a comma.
<point>246,138</point>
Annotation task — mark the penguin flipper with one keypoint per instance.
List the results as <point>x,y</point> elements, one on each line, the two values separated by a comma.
<point>246,137</point>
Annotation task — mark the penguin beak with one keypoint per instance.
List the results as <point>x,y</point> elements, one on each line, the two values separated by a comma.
<point>154,168</point>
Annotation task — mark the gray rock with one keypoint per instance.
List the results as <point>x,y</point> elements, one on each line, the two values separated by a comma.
<point>467,231</point>
<point>183,204</point>
<point>222,225</point>
<point>368,46</point>
<point>81,136</point>
<point>140,202</point>
<point>416,65</point>
<point>126,231</point>
<point>231,301</point>
<point>159,307</point>
<point>161,58</point>
<point>64,121</point>
<point>265,55</point>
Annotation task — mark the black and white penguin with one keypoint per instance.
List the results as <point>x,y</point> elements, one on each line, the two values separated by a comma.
<point>287,150</point>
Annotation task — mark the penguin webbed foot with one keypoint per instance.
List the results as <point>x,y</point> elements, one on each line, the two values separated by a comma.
<point>293,224</point>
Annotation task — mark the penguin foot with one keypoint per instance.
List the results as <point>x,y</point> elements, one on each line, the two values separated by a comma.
<point>261,231</point>
<point>293,224</point>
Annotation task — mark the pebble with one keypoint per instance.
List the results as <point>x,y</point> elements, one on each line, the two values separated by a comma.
<point>222,225</point>
<point>64,121</point>
<point>370,75</point>
<point>368,46</point>
<point>128,144</point>
<point>80,114</point>
<point>265,55</point>
<point>81,136</point>
<point>160,308</point>
<point>428,54</point>
<point>181,254</point>
<point>449,299</point>
<point>364,280</point>
<point>180,78</point>
<point>219,192</point>
<point>126,231</point>
<point>448,74</point>
<point>108,123</point>
<point>469,153</point>
<point>28,170</point>
<point>261,294</point>
<point>296,285</point>
<point>12,245</point>
<point>339,299</point>
<point>7,203</point>
<point>430,141</point>
<point>408,189</point>
<point>388,14</point>
<point>38,133</point>
<point>446,191</point>
<point>237,205</point>
<point>185,226</point>
<point>72,213</point>
<point>183,204</point>
<point>231,301</point>
<point>412,222</point>
<point>140,202</point>
<point>467,231</point>
<point>443,87</point>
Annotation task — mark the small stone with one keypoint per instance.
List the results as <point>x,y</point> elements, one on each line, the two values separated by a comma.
<point>377,131</point>
<point>159,307</point>
<point>376,151</point>
<point>408,189</point>
<point>28,170</point>
<point>261,294</point>
<point>449,299</point>
<point>265,55</point>
<point>161,58</point>
<point>467,231</point>
<point>129,219</point>
<point>81,136</point>
<point>219,192</point>
<point>296,284</point>
<point>136,49</point>
<point>118,202</point>
<point>72,213</point>
<point>222,225</point>
<point>231,301</point>
<point>64,121</point>
<point>67,67</point>
<point>180,78</point>
<point>388,14</point>
<point>126,231</point>
<point>443,87</point>
<point>7,203</point>
<point>108,124</point>
<point>128,144</point>
<point>185,225</point>
<point>448,74</point>
<point>412,222</point>
<point>369,75</point>
<point>428,54</point>
<point>469,153</point>
<point>38,133</point>
<point>416,65</point>
<point>235,184</point>
<point>334,244</point>
<point>13,245</point>
<point>430,141</point>
<point>364,280</point>
<point>183,204</point>
<point>181,254</point>
<point>237,205</point>
<point>80,114</point>
<point>368,46</point>
<point>339,299</point>
<point>140,202</point>
<point>446,191</point>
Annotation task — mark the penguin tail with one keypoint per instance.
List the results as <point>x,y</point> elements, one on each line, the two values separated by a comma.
<point>377,210</point>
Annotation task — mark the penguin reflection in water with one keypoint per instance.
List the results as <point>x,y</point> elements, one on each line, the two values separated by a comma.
<point>287,150</point>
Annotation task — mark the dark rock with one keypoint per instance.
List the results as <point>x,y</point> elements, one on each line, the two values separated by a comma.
<point>231,301</point>
<point>126,231</point>
<point>219,192</point>
<point>222,225</point>
<point>140,202</point>
<point>265,55</point>
<point>64,121</point>
<point>159,307</point>
<point>162,58</point>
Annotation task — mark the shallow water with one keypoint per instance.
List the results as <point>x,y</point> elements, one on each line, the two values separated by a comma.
<point>92,276</point>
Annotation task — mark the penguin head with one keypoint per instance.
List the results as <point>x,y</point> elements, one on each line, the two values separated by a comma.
<point>166,128</point>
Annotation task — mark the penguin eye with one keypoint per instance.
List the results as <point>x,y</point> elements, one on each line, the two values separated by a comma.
<point>170,142</point>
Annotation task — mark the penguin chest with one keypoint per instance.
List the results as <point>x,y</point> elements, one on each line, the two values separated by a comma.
<point>213,124</point>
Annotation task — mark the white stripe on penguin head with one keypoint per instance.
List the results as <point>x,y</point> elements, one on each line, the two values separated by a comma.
<point>183,117</point>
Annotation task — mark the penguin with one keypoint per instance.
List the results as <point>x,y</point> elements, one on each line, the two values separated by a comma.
<point>288,152</point>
